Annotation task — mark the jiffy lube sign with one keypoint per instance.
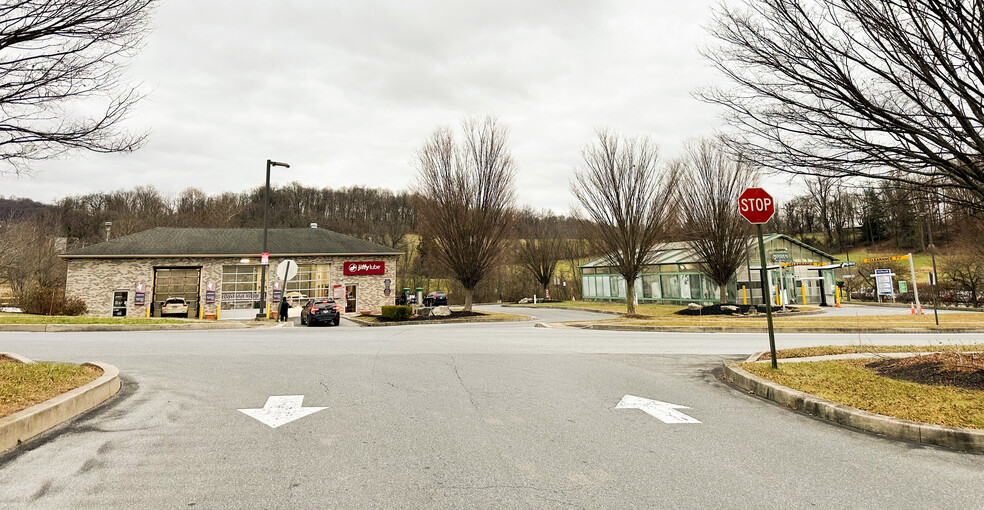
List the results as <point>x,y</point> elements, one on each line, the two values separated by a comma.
<point>367,267</point>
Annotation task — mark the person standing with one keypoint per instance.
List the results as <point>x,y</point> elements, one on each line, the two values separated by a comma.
<point>282,313</point>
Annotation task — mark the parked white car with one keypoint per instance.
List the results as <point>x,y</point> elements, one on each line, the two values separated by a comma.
<point>295,299</point>
<point>174,306</point>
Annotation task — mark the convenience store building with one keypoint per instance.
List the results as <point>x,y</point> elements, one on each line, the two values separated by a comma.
<point>795,270</point>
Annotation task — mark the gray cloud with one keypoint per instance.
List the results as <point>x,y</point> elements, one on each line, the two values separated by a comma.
<point>347,91</point>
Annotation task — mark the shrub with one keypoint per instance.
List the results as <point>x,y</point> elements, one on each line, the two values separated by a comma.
<point>48,301</point>
<point>397,313</point>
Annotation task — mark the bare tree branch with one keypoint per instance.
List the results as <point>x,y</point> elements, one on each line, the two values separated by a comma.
<point>627,199</point>
<point>467,194</point>
<point>57,56</point>
<point>884,89</point>
<point>710,182</point>
<point>540,246</point>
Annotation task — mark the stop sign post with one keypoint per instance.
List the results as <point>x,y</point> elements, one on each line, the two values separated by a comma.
<point>758,207</point>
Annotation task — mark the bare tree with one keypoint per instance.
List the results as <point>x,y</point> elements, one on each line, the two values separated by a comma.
<point>967,271</point>
<point>710,182</point>
<point>574,251</point>
<point>627,199</point>
<point>56,54</point>
<point>467,193</point>
<point>29,255</point>
<point>540,246</point>
<point>885,89</point>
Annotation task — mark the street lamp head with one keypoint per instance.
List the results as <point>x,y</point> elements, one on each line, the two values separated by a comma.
<point>277,163</point>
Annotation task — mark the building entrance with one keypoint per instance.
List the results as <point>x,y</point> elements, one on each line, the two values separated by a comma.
<point>176,282</point>
<point>240,296</point>
<point>350,298</point>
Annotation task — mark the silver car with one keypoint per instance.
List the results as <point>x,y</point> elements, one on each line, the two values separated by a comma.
<point>175,306</point>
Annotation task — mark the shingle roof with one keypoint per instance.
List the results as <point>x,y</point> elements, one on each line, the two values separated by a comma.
<point>681,253</point>
<point>226,242</point>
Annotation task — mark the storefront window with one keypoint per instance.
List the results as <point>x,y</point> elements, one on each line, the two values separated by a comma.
<point>312,281</point>
<point>671,285</point>
<point>240,287</point>
<point>650,286</point>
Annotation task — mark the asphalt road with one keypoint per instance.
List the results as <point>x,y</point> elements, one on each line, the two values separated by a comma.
<point>499,415</point>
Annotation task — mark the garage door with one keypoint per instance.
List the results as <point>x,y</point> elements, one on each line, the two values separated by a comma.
<point>177,282</point>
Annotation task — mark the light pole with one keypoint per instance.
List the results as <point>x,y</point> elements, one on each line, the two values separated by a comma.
<point>266,215</point>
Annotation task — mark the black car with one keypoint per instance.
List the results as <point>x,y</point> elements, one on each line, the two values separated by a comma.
<point>320,311</point>
<point>436,298</point>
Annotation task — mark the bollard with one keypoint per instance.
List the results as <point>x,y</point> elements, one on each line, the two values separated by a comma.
<point>744,296</point>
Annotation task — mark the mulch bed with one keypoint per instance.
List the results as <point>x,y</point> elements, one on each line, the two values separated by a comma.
<point>454,315</point>
<point>963,370</point>
<point>716,310</point>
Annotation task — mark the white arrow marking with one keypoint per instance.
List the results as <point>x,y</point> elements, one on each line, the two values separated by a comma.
<point>662,411</point>
<point>281,409</point>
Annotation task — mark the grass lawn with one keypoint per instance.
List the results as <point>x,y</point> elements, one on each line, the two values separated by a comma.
<point>23,385</point>
<point>21,318</point>
<point>665,315</point>
<point>850,383</point>
<point>827,350</point>
<point>922,261</point>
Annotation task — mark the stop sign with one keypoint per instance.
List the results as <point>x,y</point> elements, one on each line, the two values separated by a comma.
<point>756,205</point>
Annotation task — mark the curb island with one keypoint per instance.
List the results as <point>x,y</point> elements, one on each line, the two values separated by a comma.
<point>955,438</point>
<point>34,420</point>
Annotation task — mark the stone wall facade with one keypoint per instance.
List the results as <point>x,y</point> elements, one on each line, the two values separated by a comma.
<point>94,280</point>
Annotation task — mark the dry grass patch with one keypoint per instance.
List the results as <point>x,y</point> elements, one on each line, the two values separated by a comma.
<point>829,350</point>
<point>850,383</point>
<point>665,315</point>
<point>20,318</point>
<point>23,385</point>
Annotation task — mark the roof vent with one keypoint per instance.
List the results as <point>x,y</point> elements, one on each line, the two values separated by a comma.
<point>314,225</point>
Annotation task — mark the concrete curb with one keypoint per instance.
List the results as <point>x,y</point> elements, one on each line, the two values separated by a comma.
<point>948,437</point>
<point>16,357</point>
<point>724,329</point>
<point>64,328</point>
<point>25,424</point>
<point>448,321</point>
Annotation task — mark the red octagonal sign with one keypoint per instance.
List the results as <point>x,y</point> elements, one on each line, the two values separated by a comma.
<point>756,205</point>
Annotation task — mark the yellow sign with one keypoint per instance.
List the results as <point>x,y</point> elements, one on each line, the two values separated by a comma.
<point>884,259</point>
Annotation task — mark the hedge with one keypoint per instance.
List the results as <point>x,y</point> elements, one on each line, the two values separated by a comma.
<point>397,313</point>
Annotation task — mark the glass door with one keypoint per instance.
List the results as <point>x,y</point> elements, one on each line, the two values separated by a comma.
<point>350,298</point>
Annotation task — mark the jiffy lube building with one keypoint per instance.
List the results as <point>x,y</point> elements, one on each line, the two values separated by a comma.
<point>218,272</point>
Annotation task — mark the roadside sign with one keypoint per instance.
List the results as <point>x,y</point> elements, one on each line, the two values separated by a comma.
<point>140,296</point>
<point>886,259</point>
<point>932,278</point>
<point>883,282</point>
<point>210,293</point>
<point>756,206</point>
<point>264,258</point>
<point>903,287</point>
<point>286,270</point>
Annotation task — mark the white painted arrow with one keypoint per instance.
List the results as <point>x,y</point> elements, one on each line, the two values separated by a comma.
<point>279,410</point>
<point>662,411</point>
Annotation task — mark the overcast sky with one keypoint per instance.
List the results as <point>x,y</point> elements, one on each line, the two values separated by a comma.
<point>347,91</point>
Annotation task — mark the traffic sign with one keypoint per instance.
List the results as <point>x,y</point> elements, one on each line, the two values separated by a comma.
<point>287,270</point>
<point>756,205</point>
